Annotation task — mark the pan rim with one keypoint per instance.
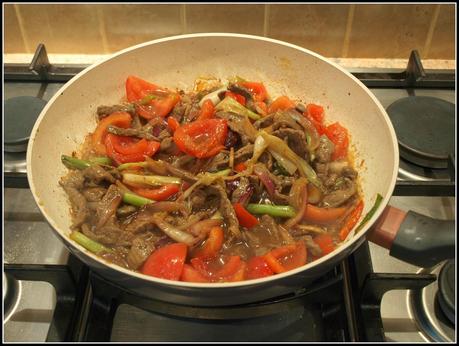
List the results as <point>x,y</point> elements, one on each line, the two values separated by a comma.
<point>180,284</point>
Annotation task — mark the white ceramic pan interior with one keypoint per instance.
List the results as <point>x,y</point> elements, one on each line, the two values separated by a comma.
<point>176,62</point>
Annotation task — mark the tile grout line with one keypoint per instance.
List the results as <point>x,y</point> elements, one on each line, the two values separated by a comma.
<point>102,31</point>
<point>21,28</point>
<point>266,20</point>
<point>432,26</point>
<point>347,35</point>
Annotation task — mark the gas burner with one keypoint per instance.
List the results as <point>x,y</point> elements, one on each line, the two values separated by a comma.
<point>447,290</point>
<point>20,115</point>
<point>411,172</point>
<point>425,307</point>
<point>11,295</point>
<point>425,129</point>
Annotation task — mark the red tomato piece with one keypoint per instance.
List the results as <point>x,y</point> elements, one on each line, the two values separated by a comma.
<point>207,110</point>
<point>245,218</point>
<point>240,167</point>
<point>166,262</point>
<point>325,242</point>
<point>120,119</point>
<point>297,258</point>
<point>202,138</point>
<point>160,106</point>
<point>189,274</point>
<point>212,245</point>
<point>258,268</point>
<point>316,112</point>
<point>119,158</point>
<point>237,97</point>
<point>258,90</point>
<point>137,88</point>
<point>230,267</point>
<point>281,103</point>
<point>339,136</point>
<point>128,145</point>
<point>173,123</point>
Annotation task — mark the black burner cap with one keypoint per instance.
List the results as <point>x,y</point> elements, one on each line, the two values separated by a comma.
<point>425,129</point>
<point>447,289</point>
<point>20,115</point>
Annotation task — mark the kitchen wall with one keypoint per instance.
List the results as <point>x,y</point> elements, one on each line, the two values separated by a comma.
<point>333,30</point>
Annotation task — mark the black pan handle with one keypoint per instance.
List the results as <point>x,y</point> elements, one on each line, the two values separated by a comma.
<point>414,238</point>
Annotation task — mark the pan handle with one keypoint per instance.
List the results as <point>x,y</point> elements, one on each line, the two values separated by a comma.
<point>414,238</point>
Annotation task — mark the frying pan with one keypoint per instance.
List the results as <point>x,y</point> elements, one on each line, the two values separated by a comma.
<point>177,61</point>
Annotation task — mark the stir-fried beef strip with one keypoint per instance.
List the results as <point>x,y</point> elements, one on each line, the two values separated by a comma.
<point>242,189</point>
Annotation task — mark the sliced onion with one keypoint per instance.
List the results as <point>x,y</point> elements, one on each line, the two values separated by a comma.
<point>300,197</point>
<point>246,195</point>
<point>173,232</point>
<point>266,180</point>
<point>204,226</point>
<point>287,164</point>
<point>213,96</point>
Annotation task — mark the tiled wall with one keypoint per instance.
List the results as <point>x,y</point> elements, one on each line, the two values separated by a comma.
<point>333,30</point>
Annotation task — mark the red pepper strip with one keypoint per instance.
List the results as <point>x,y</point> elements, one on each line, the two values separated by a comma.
<point>351,221</point>
<point>120,119</point>
<point>212,245</point>
<point>120,158</point>
<point>245,218</point>
<point>160,194</point>
<point>273,263</point>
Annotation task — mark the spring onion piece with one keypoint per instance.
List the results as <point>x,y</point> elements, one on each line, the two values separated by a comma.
<point>173,232</point>
<point>154,180</point>
<point>88,243</point>
<point>222,173</point>
<point>259,147</point>
<point>213,96</point>
<point>368,216</point>
<point>231,105</point>
<point>101,160</point>
<point>217,216</point>
<point>74,163</point>
<point>279,146</point>
<point>132,164</point>
<point>287,165</point>
<point>273,210</point>
<point>136,200</point>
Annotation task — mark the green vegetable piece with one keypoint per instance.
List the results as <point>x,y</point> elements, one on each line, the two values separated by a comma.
<point>88,243</point>
<point>368,216</point>
<point>136,200</point>
<point>102,160</point>
<point>154,180</point>
<point>74,163</point>
<point>231,105</point>
<point>132,164</point>
<point>273,210</point>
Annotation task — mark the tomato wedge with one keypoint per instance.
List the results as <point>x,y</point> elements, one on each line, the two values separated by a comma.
<point>281,103</point>
<point>156,101</point>
<point>173,123</point>
<point>189,274</point>
<point>237,97</point>
<point>316,112</point>
<point>166,262</point>
<point>339,136</point>
<point>257,89</point>
<point>245,218</point>
<point>325,242</point>
<point>128,145</point>
<point>160,194</point>
<point>258,268</point>
<point>202,138</point>
<point>114,141</point>
<point>207,110</point>
<point>240,167</point>
<point>120,119</point>
<point>286,257</point>
<point>212,245</point>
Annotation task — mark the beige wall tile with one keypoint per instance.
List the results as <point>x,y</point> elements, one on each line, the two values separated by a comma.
<point>443,38</point>
<point>246,19</point>
<point>62,28</point>
<point>320,28</point>
<point>14,43</point>
<point>389,31</point>
<point>128,25</point>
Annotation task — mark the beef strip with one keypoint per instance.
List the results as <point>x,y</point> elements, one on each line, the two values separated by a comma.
<point>168,146</point>
<point>282,119</point>
<point>95,174</point>
<point>108,205</point>
<point>142,246</point>
<point>143,132</point>
<point>346,190</point>
<point>296,140</point>
<point>94,194</point>
<point>241,189</point>
<point>72,183</point>
<point>241,125</point>
<point>141,221</point>
<point>110,234</point>
<point>325,150</point>
<point>227,210</point>
<point>103,111</point>
<point>239,89</point>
